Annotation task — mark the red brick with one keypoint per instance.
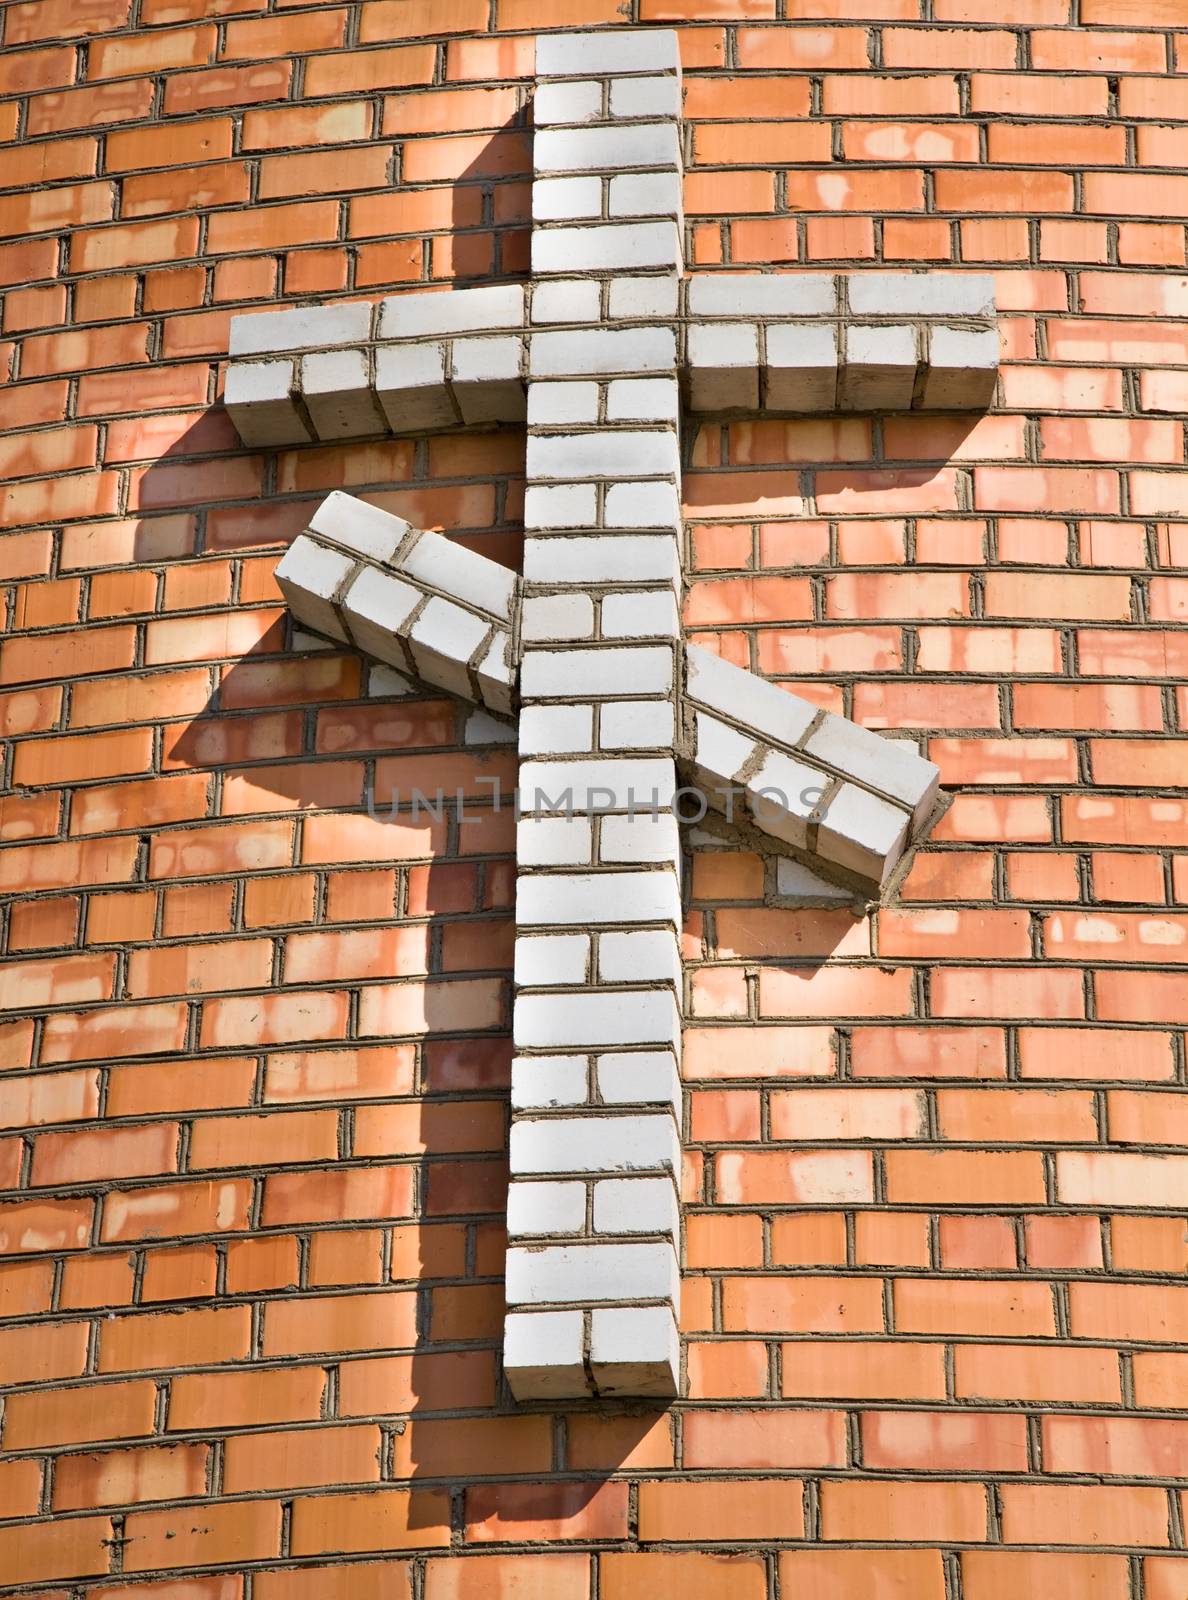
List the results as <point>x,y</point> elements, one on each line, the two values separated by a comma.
<point>897,1512</point>
<point>841,1574</point>
<point>535,1577</point>
<point>129,1477</point>
<point>987,1573</point>
<point>36,1551</point>
<point>737,1577</point>
<point>933,1441</point>
<point>756,1440</point>
<point>79,1415</point>
<point>244,1530</point>
<point>1061,1374</point>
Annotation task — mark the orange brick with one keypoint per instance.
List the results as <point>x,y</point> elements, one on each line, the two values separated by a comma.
<point>535,1577</point>
<point>204,1337</point>
<point>1061,1575</point>
<point>898,1512</point>
<point>245,1530</point>
<point>37,1551</point>
<point>79,1415</point>
<point>842,1574</point>
<point>1081,1514</point>
<point>1016,1372</point>
<point>128,1477</point>
<point>506,1512</point>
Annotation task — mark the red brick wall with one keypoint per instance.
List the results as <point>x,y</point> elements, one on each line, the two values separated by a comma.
<point>254,1044</point>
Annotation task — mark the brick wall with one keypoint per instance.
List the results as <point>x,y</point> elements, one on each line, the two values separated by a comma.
<point>254,1043</point>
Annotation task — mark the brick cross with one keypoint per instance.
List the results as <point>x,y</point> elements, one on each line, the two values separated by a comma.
<point>614,709</point>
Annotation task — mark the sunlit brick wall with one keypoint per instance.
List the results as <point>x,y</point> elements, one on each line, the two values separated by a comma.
<point>254,1043</point>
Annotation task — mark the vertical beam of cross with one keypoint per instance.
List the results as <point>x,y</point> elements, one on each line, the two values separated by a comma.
<point>593,1265</point>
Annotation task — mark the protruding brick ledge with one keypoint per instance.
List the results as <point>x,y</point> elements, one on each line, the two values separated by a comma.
<point>775,343</point>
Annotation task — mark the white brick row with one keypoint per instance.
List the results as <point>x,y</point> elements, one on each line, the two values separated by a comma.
<point>410,599</point>
<point>815,781</point>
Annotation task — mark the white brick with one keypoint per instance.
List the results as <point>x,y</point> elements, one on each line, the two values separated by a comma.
<point>642,838</point>
<point>597,899</point>
<point>550,405</point>
<point>565,505</point>
<point>962,368</point>
<point>640,614</point>
<point>640,1077</point>
<point>734,295</point>
<point>554,841</point>
<point>597,1019</point>
<point>311,578</point>
<point>796,881</point>
<point>302,328</point>
<point>590,1273</point>
<point>375,609</point>
<point>751,701</point>
<point>544,961</point>
<point>719,755</point>
<point>643,505</point>
<point>647,194</point>
<point>570,55</point>
<point>635,1205</point>
<point>462,574</point>
<point>724,366</point>
<point>588,1143</point>
<point>645,97</point>
<point>634,298</point>
<point>359,527</point>
<point>567,300</point>
<point>880,369</point>
<point>642,956</point>
<point>801,371</point>
<point>556,104</point>
<point>617,558</point>
<point>862,833</point>
<point>643,400</point>
<point>483,728</point>
<point>543,1355</point>
<point>782,797</point>
<point>635,1350</point>
<point>889,765</point>
<point>442,641</point>
<point>557,616</point>
<point>430,314</point>
<point>636,725</point>
<point>606,148</point>
<point>544,1208</point>
<point>602,351</point>
<point>496,675</point>
<point>486,377</point>
<point>921,294</point>
<point>543,1081</point>
<point>559,199</point>
<point>556,730</point>
<point>783,794</point>
<point>606,669</point>
<point>385,683</point>
<point>612,248</point>
<point>603,455</point>
<point>336,388</point>
<point>410,384</point>
<point>258,396</point>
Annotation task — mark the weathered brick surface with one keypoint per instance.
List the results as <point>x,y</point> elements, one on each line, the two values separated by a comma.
<point>254,1044</point>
